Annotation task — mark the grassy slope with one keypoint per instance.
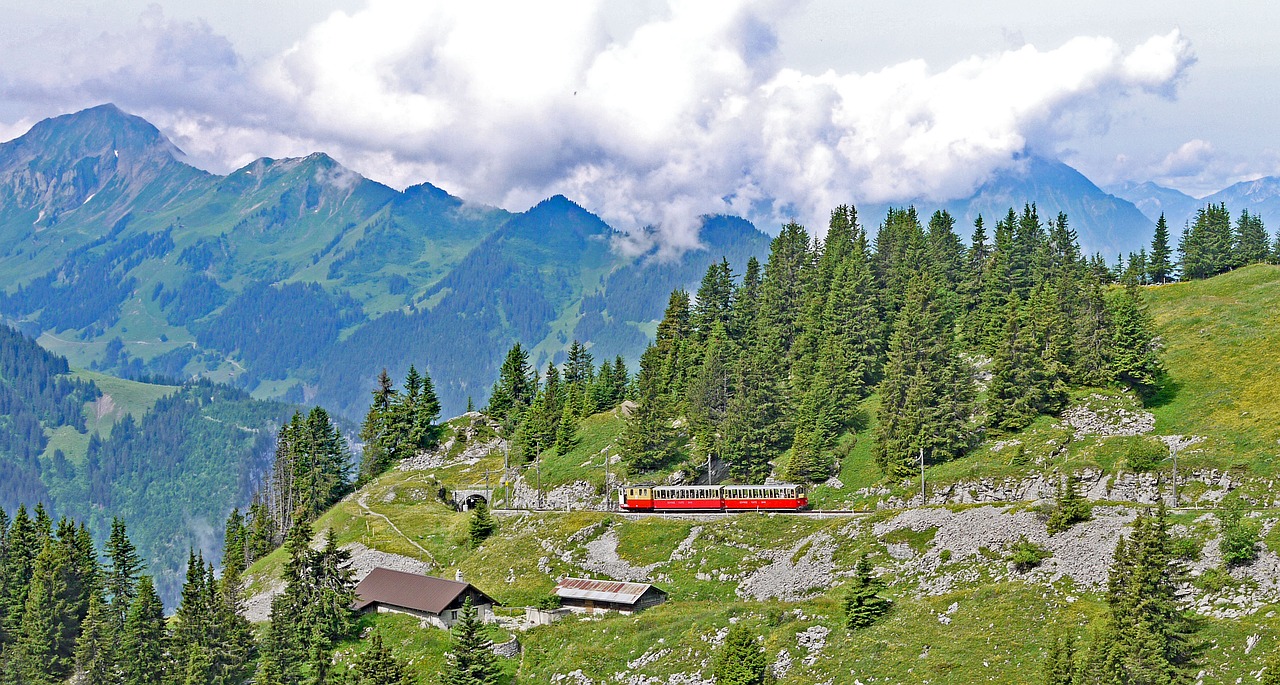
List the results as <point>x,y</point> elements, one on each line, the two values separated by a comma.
<point>120,397</point>
<point>1222,344</point>
<point>1222,349</point>
<point>998,634</point>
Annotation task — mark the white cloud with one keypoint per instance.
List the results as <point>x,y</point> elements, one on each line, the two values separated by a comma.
<point>693,112</point>
<point>1191,158</point>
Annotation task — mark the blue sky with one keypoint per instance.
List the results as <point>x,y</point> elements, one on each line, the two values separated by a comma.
<point>654,111</point>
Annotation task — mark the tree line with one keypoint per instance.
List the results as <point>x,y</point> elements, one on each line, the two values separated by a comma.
<point>1210,244</point>
<point>779,360</point>
<point>542,412</point>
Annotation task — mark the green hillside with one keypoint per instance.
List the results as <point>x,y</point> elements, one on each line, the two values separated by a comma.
<point>279,276</point>
<point>1222,346</point>
<point>961,613</point>
<point>171,460</point>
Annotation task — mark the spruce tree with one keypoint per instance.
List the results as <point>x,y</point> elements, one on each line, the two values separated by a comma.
<point>377,666</point>
<point>377,431</point>
<point>234,644</point>
<point>425,413</point>
<point>144,648</point>
<point>648,440</point>
<point>513,392</point>
<point>45,646</point>
<point>95,659</point>
<point>1060,664</point>
<point>1148,636</point>
<point>1207,245</point>
<point>470,660</point>
<point>1069,507</point>
<point>1159,268</point>
<point>755,428</point>
<point>481,525</point>
<point>1135,352</point>
<point>24,542</point>
<point>862,603</point>
<point>120,577</point>
<point>926,394</point>
<point>741,660</point>
<point>1251,240</point>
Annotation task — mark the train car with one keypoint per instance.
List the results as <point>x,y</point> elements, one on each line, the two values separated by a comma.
<point>780,497</point>
<point>636,498</point>
<point>764,497</point>
<point>688,498</point>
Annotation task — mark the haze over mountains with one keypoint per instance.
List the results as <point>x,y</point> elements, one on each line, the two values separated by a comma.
<point>299,278</point>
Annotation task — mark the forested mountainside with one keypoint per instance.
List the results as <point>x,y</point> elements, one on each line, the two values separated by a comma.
<point>1056,474</point>
<point>170,459</point>
<point>276,277</point>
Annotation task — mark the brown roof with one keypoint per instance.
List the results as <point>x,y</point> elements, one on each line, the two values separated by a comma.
<point>409,590</point>
<point>602,590</point>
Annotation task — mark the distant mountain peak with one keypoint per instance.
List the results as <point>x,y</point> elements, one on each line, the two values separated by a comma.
<point>104,127</point>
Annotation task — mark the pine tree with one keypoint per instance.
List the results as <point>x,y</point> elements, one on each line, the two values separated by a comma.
<point>741,660</point>
<point>1159,267</point>
<point>1271,672</point>
<point>481,525</point>
<point>95,659</point>
<point>647,437</point>
<point>1060,664</point>
<point>120,577</point>
<point>46,644</point>
<point>1135,357</point>
<point>1148,636</point>
<point>377,666</point>
<point>1251,240</point>
<point>1069,507</point>
<point>376,432</point>
<point>470,660</point>
<point>927,389</point>
<point>863,605</point>
<point>513,392</point>
<point>144,651</point>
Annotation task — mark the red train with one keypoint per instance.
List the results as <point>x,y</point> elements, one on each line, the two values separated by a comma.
<point>780,497</point>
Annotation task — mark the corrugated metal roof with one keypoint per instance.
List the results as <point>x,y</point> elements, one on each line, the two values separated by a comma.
<point>409,590</point>
<point>601,590</point>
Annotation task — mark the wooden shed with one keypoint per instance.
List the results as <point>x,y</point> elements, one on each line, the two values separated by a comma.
<point>436,601</point>
<point>595,596</point>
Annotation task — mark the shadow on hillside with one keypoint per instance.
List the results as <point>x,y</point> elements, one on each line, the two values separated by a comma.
<point>1165,394</point>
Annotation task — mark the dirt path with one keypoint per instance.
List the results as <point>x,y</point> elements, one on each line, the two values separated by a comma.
<point>362,501</point>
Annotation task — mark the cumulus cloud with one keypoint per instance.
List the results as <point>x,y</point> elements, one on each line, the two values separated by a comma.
<point>690,113</point>
<point>1190,159</point>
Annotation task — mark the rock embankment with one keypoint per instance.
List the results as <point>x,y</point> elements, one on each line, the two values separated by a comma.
<point>471,441</point>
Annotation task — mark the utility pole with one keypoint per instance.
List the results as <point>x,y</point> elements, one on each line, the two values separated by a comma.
<point>608,500</point>
<point>708,468</point>
<point>487,493</point>
<point>923,500</point>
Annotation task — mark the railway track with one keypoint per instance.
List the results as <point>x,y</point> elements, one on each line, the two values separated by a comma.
<point>807,513</point>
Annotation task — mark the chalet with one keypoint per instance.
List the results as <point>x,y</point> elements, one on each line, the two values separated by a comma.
<point>584,595</point>
<point>436,601</point>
